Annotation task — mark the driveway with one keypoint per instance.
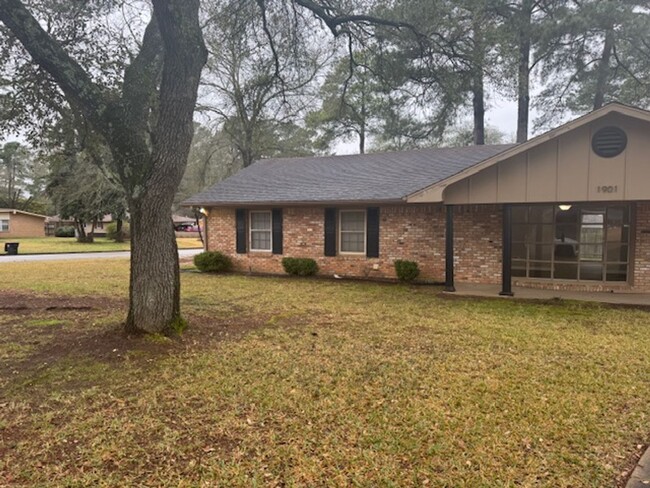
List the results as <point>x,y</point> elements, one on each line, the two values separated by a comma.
<point>182,253</point>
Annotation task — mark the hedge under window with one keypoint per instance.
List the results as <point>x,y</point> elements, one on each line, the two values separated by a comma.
<point>352,231</point>
<point>260,231</point>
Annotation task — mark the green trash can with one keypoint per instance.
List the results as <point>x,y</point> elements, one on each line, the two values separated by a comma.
<point>11,248</point>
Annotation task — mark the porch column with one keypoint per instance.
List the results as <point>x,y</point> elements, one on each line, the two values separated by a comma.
<point>506,271</point>
<point>449,250</point>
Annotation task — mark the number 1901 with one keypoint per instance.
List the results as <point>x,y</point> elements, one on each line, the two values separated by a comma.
<point>608,189</point>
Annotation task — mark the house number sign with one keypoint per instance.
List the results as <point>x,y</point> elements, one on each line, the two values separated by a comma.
<point>607,189</point>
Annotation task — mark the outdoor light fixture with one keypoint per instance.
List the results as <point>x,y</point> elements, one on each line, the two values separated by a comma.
<point>565,207</point>
<point>203,211</point>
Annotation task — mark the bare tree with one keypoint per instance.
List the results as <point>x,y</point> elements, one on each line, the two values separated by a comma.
<point>261,71</point>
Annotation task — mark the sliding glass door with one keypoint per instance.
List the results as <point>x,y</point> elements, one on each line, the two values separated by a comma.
<point>571,242</point>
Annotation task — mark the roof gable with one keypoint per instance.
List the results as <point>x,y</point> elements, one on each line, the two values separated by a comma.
<point>22,212</point>
<point>434,192</point>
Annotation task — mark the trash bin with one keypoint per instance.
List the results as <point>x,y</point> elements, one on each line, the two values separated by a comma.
<point>11,248</point>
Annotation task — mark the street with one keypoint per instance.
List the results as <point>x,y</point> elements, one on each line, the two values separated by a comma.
<point>182,253</point>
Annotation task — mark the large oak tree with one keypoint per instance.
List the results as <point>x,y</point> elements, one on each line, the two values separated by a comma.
<point>146,119</point>
<point>147,124</point>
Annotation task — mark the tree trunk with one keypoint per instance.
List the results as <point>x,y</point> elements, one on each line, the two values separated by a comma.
<point>362,139</point>
<point>478,90</point>
<point>603,70</point>
<point>81,231</point>
<point>155,278</point>
<point>167,69</point>
<point>198,217</point>
<point>119,235</point>
<point>478,103</point>
<point>523,72</point>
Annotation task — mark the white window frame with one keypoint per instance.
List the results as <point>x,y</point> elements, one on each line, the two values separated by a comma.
<point>340,231</point>
<point>250,230</point>
<point>8,225</point>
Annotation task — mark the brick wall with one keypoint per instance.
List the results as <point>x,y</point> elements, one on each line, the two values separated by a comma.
<point>21,225</point>
<point>641,272</point>
<point>477,243</point>
<point>414,232</point>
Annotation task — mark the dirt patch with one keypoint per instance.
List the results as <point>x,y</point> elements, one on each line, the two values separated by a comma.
<point>32,302</point>
<point>41,330</point>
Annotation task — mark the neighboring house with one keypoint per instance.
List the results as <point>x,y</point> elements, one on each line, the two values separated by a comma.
<point>567,209</point>
<point>16,223</point>
<point>100,226</point>
<point>56,222</point>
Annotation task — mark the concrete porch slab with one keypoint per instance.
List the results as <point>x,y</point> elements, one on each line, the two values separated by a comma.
<point>615,298</point>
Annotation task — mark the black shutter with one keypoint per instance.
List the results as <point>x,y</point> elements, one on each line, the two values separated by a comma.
<point>330,232</point>
<point>276,219</point>
<point>240,217</point>
<point>372,232</point>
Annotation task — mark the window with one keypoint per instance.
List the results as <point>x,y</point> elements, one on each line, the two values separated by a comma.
<point>352,231</point>
<point>260,231</point>
<point>571,242</point>
<point>4,225</point>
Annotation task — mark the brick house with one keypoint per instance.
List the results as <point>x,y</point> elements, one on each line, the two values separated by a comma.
<point>569,209</point>
<point>16,223</point>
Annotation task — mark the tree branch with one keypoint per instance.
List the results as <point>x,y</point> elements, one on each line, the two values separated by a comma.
<point>334,21</point>
<point>73,80</point>
<point>185,55</point>
<point>141,77</point>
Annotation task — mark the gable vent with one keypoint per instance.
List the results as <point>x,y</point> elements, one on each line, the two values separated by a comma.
<point>609,142</point>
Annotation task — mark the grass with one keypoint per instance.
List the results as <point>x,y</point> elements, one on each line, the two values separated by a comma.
<point>48,245</point>
<point>292,382</point>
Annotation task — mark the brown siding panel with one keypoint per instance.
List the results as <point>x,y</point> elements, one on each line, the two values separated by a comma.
<point>21,225</point>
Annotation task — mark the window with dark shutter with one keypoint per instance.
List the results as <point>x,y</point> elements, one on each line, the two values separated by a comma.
<point>240,229</point>
<point>330,232</point>
<point>277,230</point>
<point>372,230</point>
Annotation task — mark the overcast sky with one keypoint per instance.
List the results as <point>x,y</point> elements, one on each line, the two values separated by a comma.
<point>501,114</point>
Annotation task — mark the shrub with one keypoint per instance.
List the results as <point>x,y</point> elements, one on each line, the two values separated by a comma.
<point>64,232</point>
<point>111,232</point>
<point>213,262</point>
<point>300,266</point>
<point>406,271</point>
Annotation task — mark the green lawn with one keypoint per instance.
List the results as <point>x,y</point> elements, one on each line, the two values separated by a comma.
<point>292,382</point>
<point>47,245</point>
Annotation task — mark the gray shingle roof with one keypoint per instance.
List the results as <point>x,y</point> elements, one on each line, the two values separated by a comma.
<point>354,178</point>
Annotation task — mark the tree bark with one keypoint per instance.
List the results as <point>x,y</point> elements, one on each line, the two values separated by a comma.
<point>523,71</point>
<point>119,234</point>
<point>155,276</point>
<point>478,104</point>
<point>362,139</point>
<point>478,90</point>
<point>81,231</point>
<point>154,292</point>
<point>603,70</point>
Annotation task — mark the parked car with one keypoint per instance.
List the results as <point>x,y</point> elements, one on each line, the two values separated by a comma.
<point>186,228</point>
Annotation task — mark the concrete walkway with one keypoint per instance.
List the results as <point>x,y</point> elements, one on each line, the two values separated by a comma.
<point>30,258</point>
<point>618,297</point>
<point>641,475</point>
